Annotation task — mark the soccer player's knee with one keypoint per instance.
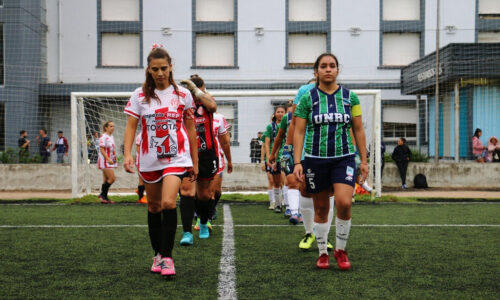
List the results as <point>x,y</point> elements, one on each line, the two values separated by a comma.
<point>322,213</point>
<point>154,207</point>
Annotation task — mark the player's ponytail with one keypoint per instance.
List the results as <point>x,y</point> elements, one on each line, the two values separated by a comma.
<point>149,86</point>
<point>316,64</point>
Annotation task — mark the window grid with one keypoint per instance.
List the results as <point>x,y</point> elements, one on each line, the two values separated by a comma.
<point>307,27</point>
<point>2,70</point>
<point>415,26</point>
<point>120,27</point>
<point>215,27</point>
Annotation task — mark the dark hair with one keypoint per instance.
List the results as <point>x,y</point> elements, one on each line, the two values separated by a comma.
<point>197,80</point>
<point>148,88</point>
<point>288,104</point>
<point>22,132</point>
<point>403,139</point>
<point>476,133</point>
<point>60,131</point>
<point>44,130</point>
<point>316,63</point>
<point>106,125</point>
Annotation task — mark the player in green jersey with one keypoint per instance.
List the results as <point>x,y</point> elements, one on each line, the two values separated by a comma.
<point>328,111</point>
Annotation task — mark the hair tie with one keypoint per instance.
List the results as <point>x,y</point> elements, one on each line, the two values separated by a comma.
<point>155,45</point>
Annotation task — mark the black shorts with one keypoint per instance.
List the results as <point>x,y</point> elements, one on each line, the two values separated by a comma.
<point>208,165</point>
<point>321,173</point>
<point>274,172</point>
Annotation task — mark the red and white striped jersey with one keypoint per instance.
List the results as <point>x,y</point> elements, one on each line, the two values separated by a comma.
<point>220,128</point>
<point>107,142</point>
<point>164,138</point>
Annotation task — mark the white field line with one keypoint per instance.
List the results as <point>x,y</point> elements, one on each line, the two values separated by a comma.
<point>227,275</point>
<point>241,225</point>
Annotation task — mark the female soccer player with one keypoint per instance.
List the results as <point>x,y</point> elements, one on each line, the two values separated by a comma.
<point>221,128</point>
<point>263,158</point>
<point>168,150</point>
<point>107,160</point>
<point>328,111</point>
<point>274,169</point>
<point>208,163</point>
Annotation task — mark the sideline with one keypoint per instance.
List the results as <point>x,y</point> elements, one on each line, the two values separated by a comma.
<point>229,228</point>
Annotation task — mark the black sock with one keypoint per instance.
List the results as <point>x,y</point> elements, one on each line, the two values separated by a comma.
<point>154,226</point>
<point>203,206</point>
<point>140,189</point>
<point>169,227</point>
<point>102,189</point>
<point>187,212</point>
<point>196,208</point>
<point>211,208</point>
<point>105,188</point>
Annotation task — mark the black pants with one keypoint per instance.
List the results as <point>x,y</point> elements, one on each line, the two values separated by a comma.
<point>402,167</point>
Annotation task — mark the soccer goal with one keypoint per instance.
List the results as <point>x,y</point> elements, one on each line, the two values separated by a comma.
<point>247,111</point>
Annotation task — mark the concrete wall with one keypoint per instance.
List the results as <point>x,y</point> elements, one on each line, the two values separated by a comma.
<point>250,177</point>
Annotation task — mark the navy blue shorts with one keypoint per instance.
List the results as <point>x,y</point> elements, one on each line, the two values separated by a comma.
<point>271,171</point>
<point>322,173</point>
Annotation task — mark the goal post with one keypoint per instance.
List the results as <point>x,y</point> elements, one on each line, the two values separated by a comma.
<point>90,109</point>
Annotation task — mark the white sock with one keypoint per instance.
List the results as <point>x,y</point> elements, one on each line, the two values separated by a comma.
<point>293,200</point>
<point>342,228</point>
<point>285,195</point>
<point>322,236</point>
<point>270,194</point>
<point>366,187</point>
<point>277,200</point>
<point>331,213</point>
<point>307,211</point>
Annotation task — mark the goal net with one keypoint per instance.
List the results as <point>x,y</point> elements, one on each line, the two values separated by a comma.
<point>247,111</point>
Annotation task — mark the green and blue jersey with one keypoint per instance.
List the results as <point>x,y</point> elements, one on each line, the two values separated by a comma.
<point>328,120</point>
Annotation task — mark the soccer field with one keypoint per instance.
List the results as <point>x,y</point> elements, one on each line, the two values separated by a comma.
<point>424,251</point>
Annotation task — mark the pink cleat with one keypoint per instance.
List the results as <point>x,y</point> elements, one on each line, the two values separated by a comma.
<point>156,268</point>
<point>167,266</point>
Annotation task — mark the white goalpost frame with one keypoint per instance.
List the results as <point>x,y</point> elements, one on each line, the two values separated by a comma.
<point>375,142</point>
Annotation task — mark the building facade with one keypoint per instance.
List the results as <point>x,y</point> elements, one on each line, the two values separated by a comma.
<point>51,48</point>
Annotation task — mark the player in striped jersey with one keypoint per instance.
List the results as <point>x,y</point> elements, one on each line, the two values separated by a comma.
<point>274,169</point>
<point>327,112</point>
<point>263,158</point>
<point>107,160</point>
<point>287,166</point>
<point>168,150</point>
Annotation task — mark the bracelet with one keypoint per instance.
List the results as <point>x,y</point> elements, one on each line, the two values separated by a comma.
<point>297,163</point>
<point>364,163</point>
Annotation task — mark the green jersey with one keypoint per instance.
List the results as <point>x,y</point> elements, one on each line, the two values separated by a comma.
<point>328,120</point>
<point>271,133</point>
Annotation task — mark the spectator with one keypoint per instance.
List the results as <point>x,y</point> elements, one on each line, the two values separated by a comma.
<point>479,151</point>
<point>493,150</point>
<point>255,148</point>
<point>44,144</point>
<point>401,155</point>
<point>24,146</point>
<point>61,147</point>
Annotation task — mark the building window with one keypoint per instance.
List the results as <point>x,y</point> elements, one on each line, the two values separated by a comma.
<point>1,3</point>
<point>401,10</point>
<point>229,109</point>
<point>402,32</point>
<point>119,29</point>
<point>400,49</point>
<point>489,9</point>
<point>215,37</point>
<point>394,131</point>
<point>1,56</point>
<point>487,21</point>
<point>308,31</point>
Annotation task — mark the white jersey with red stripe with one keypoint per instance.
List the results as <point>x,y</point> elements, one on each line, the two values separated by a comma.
<point>164,139</point>
<point>220,128</point>
<point>107,142</point>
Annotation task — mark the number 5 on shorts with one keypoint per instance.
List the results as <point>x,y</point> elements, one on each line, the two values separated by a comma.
<point>311,183</point>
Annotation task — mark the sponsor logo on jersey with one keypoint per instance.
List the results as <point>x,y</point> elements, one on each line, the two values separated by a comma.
<point>332,118</point>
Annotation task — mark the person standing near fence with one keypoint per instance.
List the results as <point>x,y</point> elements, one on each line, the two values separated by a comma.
<point>44,144</point>
<point>168,150</point>
<point>327,112</point>
<point>24,146</point>
<point>478,149</point>
<point>402,155</point>
<point>107,160</point>
<point>61,147</point>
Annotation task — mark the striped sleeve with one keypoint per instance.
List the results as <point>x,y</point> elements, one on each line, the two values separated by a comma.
<point>304,107</point>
